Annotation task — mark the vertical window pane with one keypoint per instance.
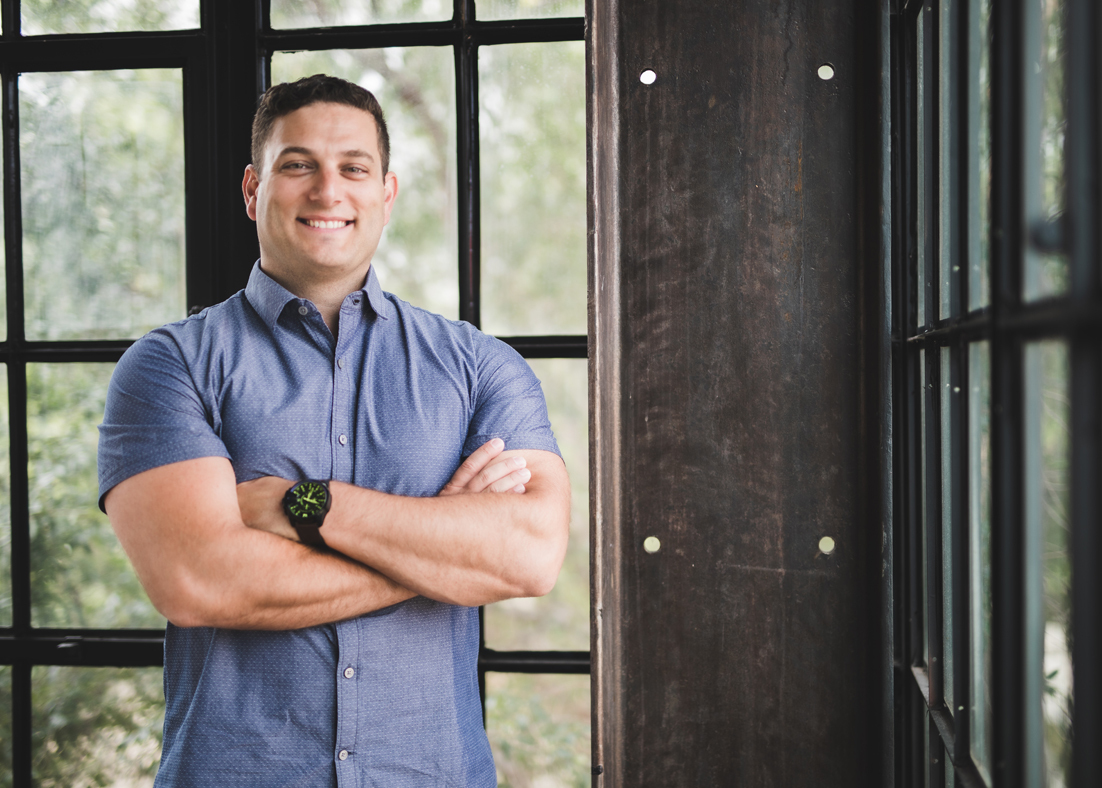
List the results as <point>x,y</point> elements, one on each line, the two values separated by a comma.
<point>518,9</point>
<point>102,157</point>
<point>5,503</point>
<point>946,200</point>
<point>334,13</point>
<point>5,727</point>
<point>979,535</point>
<point>947,438</point>
<point>1048,566</point>
<point>922,465</point>
<point>1045,273</point>
<point>538,727</point>
<point>560,620</point>
<point>532,127</point>
<point>96,726</point>
<point>3,267</point>
<point>80,576</point>
<point>41,17</point>
<point>416,88</point>
<point>979,151</point>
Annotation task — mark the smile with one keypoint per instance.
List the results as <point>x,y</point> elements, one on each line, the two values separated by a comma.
<point>334,224</point>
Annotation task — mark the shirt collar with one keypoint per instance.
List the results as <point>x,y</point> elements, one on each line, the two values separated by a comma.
<point>268,297</point>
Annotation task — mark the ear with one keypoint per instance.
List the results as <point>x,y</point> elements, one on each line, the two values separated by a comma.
<point>249,184</point>
<point>390,194</point>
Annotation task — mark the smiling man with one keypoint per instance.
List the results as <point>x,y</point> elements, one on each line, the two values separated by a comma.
<point>317,483</point>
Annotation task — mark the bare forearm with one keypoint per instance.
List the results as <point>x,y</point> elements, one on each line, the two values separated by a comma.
<point>255,580</point>
<point>201,565</point>
<point>464,549</point>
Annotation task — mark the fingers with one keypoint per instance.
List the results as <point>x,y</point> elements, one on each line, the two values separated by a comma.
<point>505,476</point>
<point>486,470</point>
<point>473,465</point>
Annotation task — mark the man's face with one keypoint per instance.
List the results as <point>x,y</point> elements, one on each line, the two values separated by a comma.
<point>320,201</point>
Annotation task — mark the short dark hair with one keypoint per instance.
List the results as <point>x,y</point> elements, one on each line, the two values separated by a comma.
<point>285,98</point>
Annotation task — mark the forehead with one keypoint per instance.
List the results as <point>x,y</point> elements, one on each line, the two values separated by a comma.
<point>324,127</point>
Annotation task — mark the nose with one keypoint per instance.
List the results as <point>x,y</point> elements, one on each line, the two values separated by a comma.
<point>325,187</point>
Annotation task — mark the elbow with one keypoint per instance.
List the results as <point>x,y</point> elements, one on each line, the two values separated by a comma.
<point>187,603</point>
<point>544,565</point>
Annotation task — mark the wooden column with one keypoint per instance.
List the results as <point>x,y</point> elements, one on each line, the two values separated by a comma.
<point>733,309</point>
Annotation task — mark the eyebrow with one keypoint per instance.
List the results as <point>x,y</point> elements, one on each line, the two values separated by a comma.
<point>355,153</point>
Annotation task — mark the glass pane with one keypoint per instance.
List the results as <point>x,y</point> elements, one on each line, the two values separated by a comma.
<point>539,729</point>
<point>947,437</point>
<point>5,727</point>
<point>334,13</point>
<point>560,620</point>
<point>3,267</point>
<point>96,726</point>
<point>1048,567</point>
<point>80,576</point>
<point>979,535</point>
<point>1045,274</point>
<point>532,126</point>
<point>519,9</point>
<point>416,259</point>
<point>103,202</point>
<point>5,503</point>
<point>979,152</point>
<point>923,399</point>
<point>926,748</point>
<point>43,17</point>
<point>946,200</point>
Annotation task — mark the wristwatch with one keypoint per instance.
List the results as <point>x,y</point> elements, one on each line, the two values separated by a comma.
<point>306,505</point>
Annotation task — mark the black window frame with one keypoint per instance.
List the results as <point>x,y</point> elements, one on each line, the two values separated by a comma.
<point>1007,323</point>
<point>226,65</point>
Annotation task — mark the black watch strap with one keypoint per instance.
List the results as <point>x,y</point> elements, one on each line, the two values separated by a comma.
<point>309,534</point>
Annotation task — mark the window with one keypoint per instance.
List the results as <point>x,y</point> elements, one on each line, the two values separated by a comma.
<point>997,352</point>
<point>126,131</point>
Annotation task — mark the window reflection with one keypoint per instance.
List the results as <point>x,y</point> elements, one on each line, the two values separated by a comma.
<point>1048,565</point>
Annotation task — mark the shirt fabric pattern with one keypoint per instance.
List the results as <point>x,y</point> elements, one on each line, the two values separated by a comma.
<point>392,403</point>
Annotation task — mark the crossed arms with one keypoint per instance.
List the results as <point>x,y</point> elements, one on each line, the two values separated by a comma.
<point>210,552</point>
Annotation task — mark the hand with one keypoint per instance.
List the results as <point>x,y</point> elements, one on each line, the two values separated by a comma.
<point>489,469</point>
<point>261,502</point>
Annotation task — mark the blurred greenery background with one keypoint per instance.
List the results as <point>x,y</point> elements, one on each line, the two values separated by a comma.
<point>103,219</point>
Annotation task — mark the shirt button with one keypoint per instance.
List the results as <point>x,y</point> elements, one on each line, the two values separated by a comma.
<point>340,363</point>
<point>343,755</point>
<point>303,310</point>
<point>349,673</point>
<point>343,439</point>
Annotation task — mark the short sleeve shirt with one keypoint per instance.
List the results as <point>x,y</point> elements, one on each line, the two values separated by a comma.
<point>392,403</point>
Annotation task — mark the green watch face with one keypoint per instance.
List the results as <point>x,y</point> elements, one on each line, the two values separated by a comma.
<point>307,500</point>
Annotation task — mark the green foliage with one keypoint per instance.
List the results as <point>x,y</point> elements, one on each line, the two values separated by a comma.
<point>103,202</point>
<point>539,730</point>
<point>96,726</point>
<point>80,576</point>
<point>527,9</point>
<point>532,127</point>
<point>106,16</point>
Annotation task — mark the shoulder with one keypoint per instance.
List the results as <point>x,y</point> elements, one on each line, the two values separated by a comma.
<point>441,332</point>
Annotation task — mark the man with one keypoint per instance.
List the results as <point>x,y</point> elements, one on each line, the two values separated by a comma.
<point>312,406</point>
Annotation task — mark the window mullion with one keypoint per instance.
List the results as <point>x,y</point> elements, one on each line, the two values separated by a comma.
<point>1008,75</point>
<point>466,79</point>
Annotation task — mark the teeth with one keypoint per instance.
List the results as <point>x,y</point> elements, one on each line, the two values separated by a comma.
<point>334,225</point>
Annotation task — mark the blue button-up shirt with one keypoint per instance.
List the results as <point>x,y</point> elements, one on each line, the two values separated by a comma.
<point>393,403</point>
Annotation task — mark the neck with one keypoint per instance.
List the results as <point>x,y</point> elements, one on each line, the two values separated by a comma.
<point>327,293</point>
